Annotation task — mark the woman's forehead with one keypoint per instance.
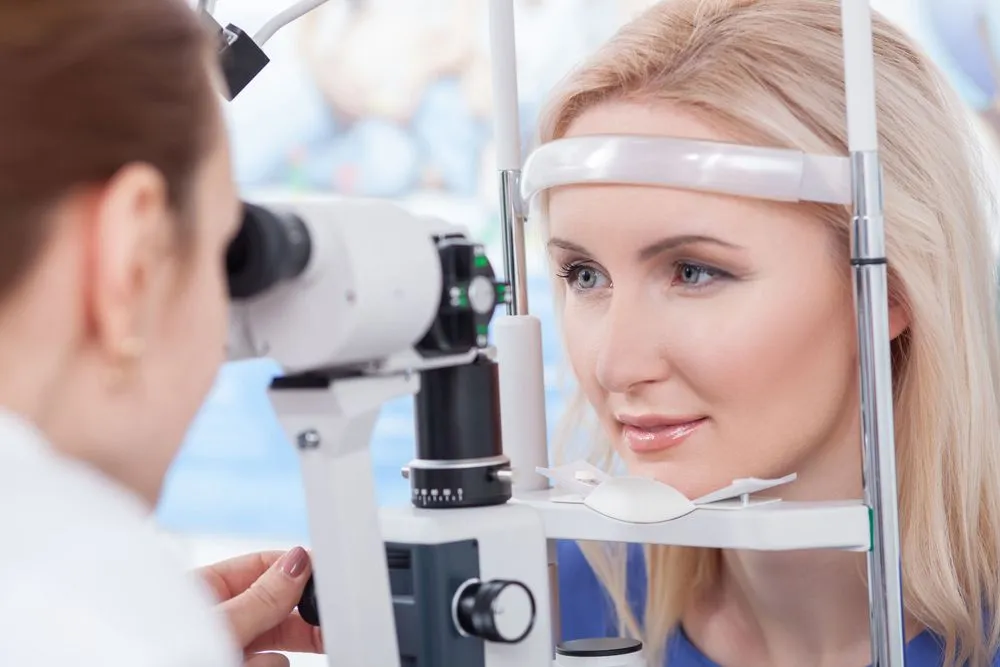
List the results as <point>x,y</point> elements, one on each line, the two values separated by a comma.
<point>636,212</point>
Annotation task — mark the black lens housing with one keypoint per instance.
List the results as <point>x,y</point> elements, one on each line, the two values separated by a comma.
<point>270,247</point>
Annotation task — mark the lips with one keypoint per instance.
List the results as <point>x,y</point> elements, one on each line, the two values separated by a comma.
<point>650,433</point>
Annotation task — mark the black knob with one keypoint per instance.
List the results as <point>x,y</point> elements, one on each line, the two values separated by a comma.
<point>308,604</point>
<point>497,611</point>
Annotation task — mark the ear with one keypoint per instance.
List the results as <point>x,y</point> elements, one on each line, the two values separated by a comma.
<point>128,238</point>
<point>899,319</point>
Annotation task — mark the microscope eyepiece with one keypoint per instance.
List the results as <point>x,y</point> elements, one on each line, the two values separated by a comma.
<point>270,247</point>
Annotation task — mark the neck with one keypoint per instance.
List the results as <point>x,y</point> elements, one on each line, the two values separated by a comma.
<point>55,376</point>
<point>50,389</point>
<point>30,361</point>
<point>794,608</point>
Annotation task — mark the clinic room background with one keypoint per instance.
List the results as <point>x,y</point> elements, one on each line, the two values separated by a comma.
<point>391,99</point>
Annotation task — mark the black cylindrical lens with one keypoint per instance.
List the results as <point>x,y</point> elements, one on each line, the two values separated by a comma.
<point>460,461</point>
<point>458,411</point>
<point>269,248</point>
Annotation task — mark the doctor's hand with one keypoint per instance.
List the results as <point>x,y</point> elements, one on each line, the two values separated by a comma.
<point>258,593</point>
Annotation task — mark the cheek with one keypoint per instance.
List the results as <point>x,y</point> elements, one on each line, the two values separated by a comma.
<point>198,332</point>
<point>581,340</point>
<point>211,303</point>
<point>764,334</point>
<point>781,368</point>
<point>792,339</point>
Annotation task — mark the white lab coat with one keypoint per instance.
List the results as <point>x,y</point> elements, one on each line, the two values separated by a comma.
<point>85,581</point>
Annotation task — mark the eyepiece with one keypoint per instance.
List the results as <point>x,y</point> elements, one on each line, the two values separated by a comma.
<point>270,247</point>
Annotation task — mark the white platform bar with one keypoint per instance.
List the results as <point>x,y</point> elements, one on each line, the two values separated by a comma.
<point>779,526</point>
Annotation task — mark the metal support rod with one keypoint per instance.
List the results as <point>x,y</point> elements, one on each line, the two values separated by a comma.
<point>507,137</point>
<point>513,242</point>
<point>885,582</point>
<point>552,548</point>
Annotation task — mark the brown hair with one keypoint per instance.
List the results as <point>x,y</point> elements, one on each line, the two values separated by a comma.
<point>87,87</point>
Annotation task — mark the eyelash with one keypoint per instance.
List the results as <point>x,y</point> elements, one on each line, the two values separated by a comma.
<point>570,271</point>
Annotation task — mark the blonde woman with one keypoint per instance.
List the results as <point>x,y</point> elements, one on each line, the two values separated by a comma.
<point>729,350</point>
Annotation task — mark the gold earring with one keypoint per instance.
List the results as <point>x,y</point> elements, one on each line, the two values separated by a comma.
<point>128,353</point>
<point>131,348</point>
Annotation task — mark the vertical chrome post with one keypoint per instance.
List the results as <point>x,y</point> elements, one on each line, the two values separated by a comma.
<point>507,138</point>
<point>868,261</point>
<point>513,241</point>
<point>885,582</point>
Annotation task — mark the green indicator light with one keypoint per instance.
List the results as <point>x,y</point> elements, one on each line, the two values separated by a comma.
<point>481,329</point>
<point>871,529</point>
<point>481,262</point>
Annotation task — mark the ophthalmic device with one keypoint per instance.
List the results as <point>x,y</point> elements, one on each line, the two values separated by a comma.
<point>386,304</point>
<point>361,302</point>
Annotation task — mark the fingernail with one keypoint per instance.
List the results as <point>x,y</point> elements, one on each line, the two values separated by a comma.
<point>294,562</point>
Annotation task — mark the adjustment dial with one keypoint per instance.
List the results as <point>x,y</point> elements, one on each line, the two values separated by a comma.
<point>497,611</point>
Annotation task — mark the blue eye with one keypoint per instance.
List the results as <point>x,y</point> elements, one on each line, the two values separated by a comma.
<point>694,275</point>
<point>581,277</point>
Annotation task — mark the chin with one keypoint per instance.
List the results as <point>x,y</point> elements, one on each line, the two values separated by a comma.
<point>692,481</point>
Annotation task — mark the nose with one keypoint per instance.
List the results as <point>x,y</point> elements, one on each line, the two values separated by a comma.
<point>630,350</point>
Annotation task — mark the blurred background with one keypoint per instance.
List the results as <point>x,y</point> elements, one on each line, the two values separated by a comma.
<point>392,99</point>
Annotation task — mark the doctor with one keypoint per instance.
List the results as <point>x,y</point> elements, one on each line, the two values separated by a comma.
<point>116,207</point>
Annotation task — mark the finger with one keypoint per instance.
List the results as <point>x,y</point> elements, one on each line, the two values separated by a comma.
<point>270,599</point>
<point>293,635</point>
<point>267,660</point>
<point>231,577</point>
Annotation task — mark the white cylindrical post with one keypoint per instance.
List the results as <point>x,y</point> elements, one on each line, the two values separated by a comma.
<point>859,75</point>
<point>503,61</point>
<point>522,399</point>
<point>507,138</point>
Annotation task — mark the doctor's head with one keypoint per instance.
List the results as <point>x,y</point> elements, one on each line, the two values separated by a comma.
<point>116,207</point>
<point>713,337</point>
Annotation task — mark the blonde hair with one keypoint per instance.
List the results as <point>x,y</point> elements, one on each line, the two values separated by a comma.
<point>772,72</point>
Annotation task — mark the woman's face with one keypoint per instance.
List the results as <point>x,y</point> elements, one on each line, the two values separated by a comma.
<point>184,335</point>
<point>713,336</point>
<point>154,323</point>
<point>189,341</point>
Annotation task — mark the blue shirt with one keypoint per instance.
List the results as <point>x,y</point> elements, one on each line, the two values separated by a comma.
<point>587,611</point>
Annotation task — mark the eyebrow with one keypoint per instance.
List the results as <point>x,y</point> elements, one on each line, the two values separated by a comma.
<point>653,249</point>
